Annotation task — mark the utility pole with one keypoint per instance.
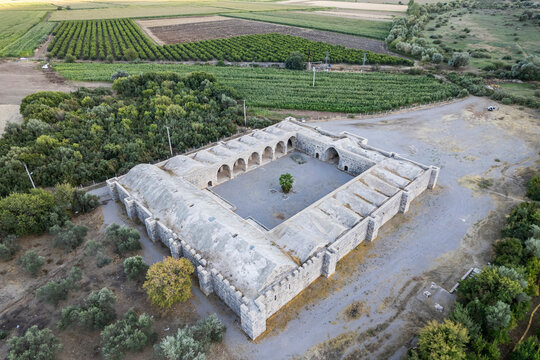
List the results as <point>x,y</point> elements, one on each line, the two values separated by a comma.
<point>169,136</point>
<point>245,116</point>
<point>314,76</point>
<point>29,175</point>
<point>363,63</point>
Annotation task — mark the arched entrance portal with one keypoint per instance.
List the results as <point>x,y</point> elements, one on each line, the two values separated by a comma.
<point>268,154</point>
<point>224,173</point>
<point>291,144</point>
<point>280,149</point>
<point>254,160</point>
<point>239,167</point>
<point>331,156</point>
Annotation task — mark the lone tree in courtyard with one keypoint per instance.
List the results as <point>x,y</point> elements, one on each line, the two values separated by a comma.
<point>169,281</point>
<point>286,181</point>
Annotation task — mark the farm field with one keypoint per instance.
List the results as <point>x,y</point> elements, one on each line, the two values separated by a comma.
<point>175,31</point>
<point>102,39</point>
<point>367,28</point>
<point>25,45</point>
<point>14,24</point>
<point>289,89</point>
<point>168,9</point>
<point>492,36</point>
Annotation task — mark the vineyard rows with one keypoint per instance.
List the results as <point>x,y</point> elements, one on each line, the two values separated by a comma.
<point>289,89</point>
<point>102,39</point>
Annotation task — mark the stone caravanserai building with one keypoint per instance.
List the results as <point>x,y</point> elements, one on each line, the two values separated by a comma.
<point>256,271</point>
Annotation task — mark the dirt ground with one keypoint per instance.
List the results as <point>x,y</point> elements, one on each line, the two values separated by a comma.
<point>374,6</point>
<point>19,308</point>
<point>24,77</point>
<point>187,32</point>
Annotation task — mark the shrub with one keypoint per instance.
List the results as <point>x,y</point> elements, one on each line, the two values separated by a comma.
<point>8,247</point>
<point>34,344</point>
<point>533,188</point>
<point>32,262</point>
<point>518,223</point>
<point>295,62</point>
<point>123,238</point>
<point>286,182</point>
<point>446,340</point>
<point>131,54</point>
<point>135,268</point>
<point>527,69</point>
<point>95,312</point>
<point>169,281</point>
<point>119,74</point>
<point>192,342</point>
<point>84,202</point>
<point>102,259</point>
<point>528,349</point>
<point>508,252</point>
<point>92,247</point>
<point>69,58</point>
<point>55,291</point>
<point>29,213</point>
<point>459,59</point>
<point>437,58</point>
<point>69,237</point>
<point>132,334</point>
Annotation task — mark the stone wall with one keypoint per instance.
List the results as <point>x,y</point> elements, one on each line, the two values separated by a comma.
<point>343,245</point>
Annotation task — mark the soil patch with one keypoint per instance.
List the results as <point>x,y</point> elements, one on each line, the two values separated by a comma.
<point>207,30</point>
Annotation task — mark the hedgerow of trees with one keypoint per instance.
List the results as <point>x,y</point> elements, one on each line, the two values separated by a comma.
<point>93,135</point>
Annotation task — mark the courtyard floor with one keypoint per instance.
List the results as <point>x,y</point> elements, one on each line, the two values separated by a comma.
<point>257,193</point>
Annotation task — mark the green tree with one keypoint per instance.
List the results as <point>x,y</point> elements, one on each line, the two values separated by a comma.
<point>95,312</point>
<point>55,291</point>
<point>442,341</point>
<point>130,334</point>
<point>135,268</point>
<point>459,59</point>
<point>508,252</point>
<point>192,342</point>
<point>518,223</point>
<point>30,213</point>
<point>169,281</point>
<point>32,262</point>
<point>533,188</point>
<point>527,350</point>
<point>295,61</point>
<point>8,247</point>
<point>34,344</point>
<point>123,238</point>
<point>498,316</point>
<point>286,182</point>
<point>131,54</point>
<point>69,237</point>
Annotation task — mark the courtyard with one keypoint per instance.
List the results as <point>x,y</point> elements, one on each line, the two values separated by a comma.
<point>258,195</point>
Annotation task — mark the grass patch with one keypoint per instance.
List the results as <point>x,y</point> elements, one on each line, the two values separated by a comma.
<point>290,89</point>
<point>25,45</point>
<point>13,24</point>
<point>366,28</point>
<point>520,89</point>
<point>493,32</point>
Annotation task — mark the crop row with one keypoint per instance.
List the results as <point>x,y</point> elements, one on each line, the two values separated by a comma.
<point>101,39</point>
<point>289,89</point>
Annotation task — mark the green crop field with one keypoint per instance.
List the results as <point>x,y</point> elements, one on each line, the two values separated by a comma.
<point>13,24</point>
<point>166,9</point>
<point>99,39</point>
<point>367,28</point>
<point>289,89</point>
<point>25,45</point>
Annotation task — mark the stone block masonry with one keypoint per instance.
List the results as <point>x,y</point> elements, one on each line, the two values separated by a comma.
<point>253,270</point>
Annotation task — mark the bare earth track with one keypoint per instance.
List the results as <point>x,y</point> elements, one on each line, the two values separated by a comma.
<point>214,29</point>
